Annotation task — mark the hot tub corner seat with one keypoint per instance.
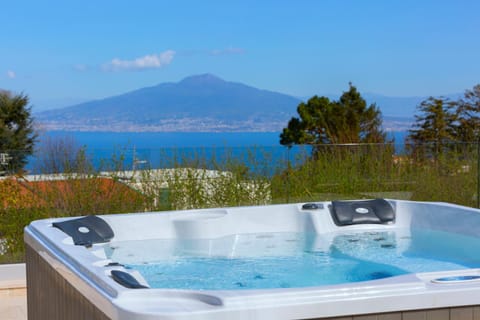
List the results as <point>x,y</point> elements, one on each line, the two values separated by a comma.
<point>376,211</point>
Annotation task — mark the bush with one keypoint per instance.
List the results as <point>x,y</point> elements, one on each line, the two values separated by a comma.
<point>12,223</point>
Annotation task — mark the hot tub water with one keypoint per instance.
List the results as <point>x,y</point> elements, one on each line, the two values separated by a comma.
<point>288,260</point>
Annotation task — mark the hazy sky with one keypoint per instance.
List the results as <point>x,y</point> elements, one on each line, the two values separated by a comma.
<point>66,50</point>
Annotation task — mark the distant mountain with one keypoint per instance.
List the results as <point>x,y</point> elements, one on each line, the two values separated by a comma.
<point>197,103</point>
<point>403,107</point>
<point>205,103</point>
<point>399,112</point>
<point>40,105</point>
<point>394,106</point>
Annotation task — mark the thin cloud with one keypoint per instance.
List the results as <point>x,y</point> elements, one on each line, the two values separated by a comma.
<point>80,67</point>
<point>227,51</point>
<point>151,61</point>
<point>11,74</point>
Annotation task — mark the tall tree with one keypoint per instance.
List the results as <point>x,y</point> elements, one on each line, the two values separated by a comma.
<point>434,126</point>
<point>348,120</point>
<point>17,135</point>
<point>468,116</point>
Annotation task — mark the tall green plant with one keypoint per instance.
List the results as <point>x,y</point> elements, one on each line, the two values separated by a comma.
<point>433,129</point>
<point>17,134</point>
<point>322,121</point>
<point>468,116</point>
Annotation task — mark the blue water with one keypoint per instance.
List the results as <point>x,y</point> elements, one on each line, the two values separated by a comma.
<point>153,140</point>
<point>155,149</point>
<point>119,151</point>
<point>287,260</point>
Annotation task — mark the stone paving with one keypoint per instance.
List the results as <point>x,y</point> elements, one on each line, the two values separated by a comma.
<point>13,304</point>
<point>13,292</point>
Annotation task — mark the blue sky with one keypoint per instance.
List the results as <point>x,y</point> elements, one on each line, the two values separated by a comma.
<point>61,51</point>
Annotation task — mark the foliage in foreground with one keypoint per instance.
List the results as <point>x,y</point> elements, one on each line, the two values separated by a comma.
<point>250,178</point>
<point>370,172</point>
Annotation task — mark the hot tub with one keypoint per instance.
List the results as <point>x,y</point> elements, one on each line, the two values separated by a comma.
<point>390,259</point>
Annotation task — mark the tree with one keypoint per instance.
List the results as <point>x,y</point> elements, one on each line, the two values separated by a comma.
<point>434,127</point>
<point>468,116</point>
<point>17,135</point>
<point>322,121</point>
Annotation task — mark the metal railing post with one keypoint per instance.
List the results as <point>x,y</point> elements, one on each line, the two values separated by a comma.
<point>288,174</point>
<point>478,173</point>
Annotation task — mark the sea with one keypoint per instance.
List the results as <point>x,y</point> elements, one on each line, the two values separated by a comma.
<point>109,140</point>
<point>139,150</point>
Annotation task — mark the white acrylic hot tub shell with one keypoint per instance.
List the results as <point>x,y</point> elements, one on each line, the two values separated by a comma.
<point>85,268</point>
